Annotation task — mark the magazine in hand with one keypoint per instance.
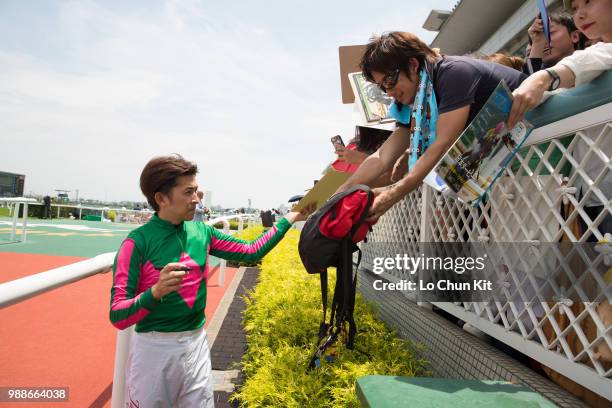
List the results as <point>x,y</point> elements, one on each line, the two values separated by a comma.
<point>482,152</point>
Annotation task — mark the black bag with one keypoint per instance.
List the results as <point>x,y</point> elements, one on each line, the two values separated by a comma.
<point>328,239</point>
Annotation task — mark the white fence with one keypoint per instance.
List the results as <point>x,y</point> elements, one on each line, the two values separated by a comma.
<point>14,204</point>
<point>558,190</point>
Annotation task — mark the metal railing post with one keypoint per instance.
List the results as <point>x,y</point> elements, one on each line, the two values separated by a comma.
<point>24,223</point>
<point>15,214</point>
<point>426,213</point>
<point>122,350</point>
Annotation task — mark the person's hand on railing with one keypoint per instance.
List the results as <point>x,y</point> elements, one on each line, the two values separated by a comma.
<point>527,96</point>
<point>384,198</point>
<point>170,279</point>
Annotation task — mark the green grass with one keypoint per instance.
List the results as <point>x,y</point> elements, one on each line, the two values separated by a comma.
<point>281,322</point>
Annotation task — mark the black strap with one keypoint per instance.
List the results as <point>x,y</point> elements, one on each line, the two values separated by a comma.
<point>345,275</point>
<point>323,326</point>
<point>343,303</point>
<point>351,309</point>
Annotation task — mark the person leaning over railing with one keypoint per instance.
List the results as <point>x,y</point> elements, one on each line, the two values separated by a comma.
<point>159,284</point>
<point>594,19</point>
<point>447,92</point>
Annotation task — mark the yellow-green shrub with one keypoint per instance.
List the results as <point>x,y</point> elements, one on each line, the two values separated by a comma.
<point>281,322</point>
<point>247,234</point>
<point>233,224</point>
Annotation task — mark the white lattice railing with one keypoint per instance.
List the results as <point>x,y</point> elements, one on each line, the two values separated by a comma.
<point>547,195</point>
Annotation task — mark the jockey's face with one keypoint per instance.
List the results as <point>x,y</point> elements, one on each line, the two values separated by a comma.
<point>179,204</point>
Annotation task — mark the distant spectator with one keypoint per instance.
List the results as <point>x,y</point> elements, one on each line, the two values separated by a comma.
<point>199,209</point>
<point>511,61</point>
<point>564,40</point>
<point>267,219</point>
<point>47,208</point>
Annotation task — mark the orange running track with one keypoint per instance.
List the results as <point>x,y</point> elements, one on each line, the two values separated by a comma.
<point>63,338</point>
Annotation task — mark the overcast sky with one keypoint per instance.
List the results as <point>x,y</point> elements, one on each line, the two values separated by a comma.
<point>250,91</point>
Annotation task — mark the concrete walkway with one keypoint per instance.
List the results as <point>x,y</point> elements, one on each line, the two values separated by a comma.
<point>227,337</point>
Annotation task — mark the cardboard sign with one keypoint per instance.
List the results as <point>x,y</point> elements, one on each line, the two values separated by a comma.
<point>324,189</point>
<point>350,56</point>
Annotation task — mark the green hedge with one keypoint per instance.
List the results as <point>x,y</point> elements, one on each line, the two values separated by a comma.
<point>281,322</point>
<point>246,234</point>
<point>233,224</point>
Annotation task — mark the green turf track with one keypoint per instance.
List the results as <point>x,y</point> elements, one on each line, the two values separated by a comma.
<point>87,243</point>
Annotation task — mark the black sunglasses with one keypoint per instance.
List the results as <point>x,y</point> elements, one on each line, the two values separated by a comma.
<point>389,81</point>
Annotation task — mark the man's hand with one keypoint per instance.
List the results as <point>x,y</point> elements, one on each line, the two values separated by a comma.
<point>401,167</point>
<point>527,96</point>
<point>538,41</point>
<point>350,156</point>
<point>295,216</point>
<point>384,198</point>
<point>170,279</point>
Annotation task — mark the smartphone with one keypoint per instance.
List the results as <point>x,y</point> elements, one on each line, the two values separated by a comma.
<point>337,140</point>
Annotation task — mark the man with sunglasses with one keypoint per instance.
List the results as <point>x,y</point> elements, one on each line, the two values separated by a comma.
<point>435,98</point>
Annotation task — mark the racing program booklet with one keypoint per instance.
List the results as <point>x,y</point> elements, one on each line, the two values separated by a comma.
<point>482,152</point>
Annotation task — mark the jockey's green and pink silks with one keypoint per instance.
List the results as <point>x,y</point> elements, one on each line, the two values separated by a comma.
<point>149,248</point>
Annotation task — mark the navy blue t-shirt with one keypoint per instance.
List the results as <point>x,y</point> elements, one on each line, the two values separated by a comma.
<point>459,81</point>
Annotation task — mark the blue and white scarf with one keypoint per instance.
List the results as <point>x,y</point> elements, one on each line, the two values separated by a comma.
<point>421,117</point>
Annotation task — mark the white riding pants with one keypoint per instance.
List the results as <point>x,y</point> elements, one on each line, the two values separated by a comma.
<point>169,370</point>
